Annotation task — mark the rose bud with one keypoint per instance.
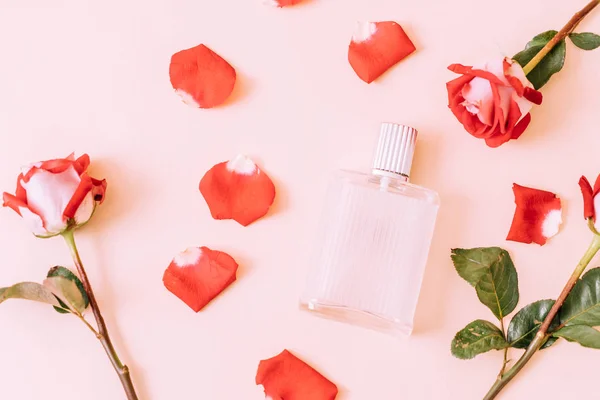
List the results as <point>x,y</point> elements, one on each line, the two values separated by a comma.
<point>56,195</point>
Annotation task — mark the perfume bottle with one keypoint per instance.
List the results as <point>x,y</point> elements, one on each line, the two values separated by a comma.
<point>373,242</point>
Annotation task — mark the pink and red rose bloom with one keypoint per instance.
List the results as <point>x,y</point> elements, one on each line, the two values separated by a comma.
<point>492,101</point>
<point>55,195</point>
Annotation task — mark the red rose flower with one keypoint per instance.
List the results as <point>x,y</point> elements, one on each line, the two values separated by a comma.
<point>492,102</point>
<point>55,195</point>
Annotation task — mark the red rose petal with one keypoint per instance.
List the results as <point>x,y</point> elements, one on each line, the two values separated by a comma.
<point>537,217</point>
<point>198,275</point>
<point>533,95</point>
<point>376,47</point>
<point>201,77</point>
<point>13,202</point>
<point>286,377</point>
<point>473,72</point>
<point>237,190</point>
<point>512,80</point>
<point>282,3</point>
<point>589,194</point>
<point>514,119</point>
<point>85,186</point>
<point>521,126</point>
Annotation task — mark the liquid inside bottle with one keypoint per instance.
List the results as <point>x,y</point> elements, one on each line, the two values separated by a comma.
<point>373,243</point>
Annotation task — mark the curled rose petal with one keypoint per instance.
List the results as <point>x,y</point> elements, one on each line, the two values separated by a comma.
<point>201,77</point>
<point>591,200</point>
<point>286,377</point>
<point>282,3</point>
<point>537,217</point>
<point>376,47</point>
<point>199,274</point>
<point>237,190</point>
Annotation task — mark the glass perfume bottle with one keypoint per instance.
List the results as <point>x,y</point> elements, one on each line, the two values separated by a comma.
<point>374,240</point>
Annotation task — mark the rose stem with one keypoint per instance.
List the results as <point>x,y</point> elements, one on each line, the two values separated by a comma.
<point>542,335</point>
<point>103,336</point>
<point>561,35</point>
<point>505,362</point>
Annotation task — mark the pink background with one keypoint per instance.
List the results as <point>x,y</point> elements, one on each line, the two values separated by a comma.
<point>93,77</point>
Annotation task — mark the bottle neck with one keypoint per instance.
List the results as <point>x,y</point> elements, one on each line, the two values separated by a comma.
<point>390,176</point>
<point>387,179</point>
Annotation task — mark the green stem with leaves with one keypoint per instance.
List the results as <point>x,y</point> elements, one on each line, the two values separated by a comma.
<point>102,333</point>
<point>560,36</point>
<point>543,335</point>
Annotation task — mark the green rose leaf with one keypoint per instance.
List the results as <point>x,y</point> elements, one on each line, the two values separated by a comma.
<point>491,271</point>
<point>586,40</point>
<point>473,264</point>
<point>67,274</point>
<point>63,309</point>
<point>551,64</point>
<point>584,335</point>
<point>29,291</point>
<point>541,39</point>
<point>476,338</point>
<point>582,306</point>
<point>526,323</point>
<point>67,291</point>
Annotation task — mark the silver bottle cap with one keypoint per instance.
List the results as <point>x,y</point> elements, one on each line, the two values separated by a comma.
<point>395,150</point>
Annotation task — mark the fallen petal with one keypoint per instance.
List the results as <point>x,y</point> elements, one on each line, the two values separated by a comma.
<point>237,190</point>
<point>282,3</point>
<point>199,274</point>
<point>201,77</point>
<point>286,377</point>
<point>376,47</point>
<point>537,217</point>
